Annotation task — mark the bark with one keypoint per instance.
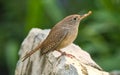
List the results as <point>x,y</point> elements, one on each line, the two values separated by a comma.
<point>53,63</point>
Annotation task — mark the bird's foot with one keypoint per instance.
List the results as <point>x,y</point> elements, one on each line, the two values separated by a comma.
<point>66,54</point>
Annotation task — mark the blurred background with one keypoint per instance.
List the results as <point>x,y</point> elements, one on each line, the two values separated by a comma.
<point>99,34</point>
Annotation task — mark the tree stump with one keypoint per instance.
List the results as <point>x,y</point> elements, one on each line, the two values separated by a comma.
<point>53,63</point>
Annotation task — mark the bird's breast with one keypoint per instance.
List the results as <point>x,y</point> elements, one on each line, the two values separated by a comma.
<point>70,37</point>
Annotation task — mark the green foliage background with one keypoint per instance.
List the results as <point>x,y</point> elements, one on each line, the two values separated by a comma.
<point>99,34</point>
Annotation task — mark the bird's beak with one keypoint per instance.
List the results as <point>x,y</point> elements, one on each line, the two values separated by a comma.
<point>85,15</point>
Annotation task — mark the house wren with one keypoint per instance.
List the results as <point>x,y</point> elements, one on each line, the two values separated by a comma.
<point>61,35</point>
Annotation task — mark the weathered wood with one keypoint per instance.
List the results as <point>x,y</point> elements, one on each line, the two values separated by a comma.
<point>53,63</point>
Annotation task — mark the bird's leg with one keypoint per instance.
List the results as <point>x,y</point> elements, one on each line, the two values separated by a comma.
<point>66,54</point>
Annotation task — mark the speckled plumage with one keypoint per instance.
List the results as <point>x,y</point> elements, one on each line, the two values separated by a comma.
<point>60,36</point>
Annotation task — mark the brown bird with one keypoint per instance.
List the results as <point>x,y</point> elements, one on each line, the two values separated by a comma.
<point>60,36</point>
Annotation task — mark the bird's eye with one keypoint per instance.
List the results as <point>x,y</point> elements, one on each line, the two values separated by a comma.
<point>75,18</point>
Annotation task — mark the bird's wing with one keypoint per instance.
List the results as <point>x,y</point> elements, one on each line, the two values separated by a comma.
<point>50,43</point>
<point>53,41</point>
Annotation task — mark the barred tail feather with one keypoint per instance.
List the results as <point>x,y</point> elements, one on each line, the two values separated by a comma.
<point>30,53</point>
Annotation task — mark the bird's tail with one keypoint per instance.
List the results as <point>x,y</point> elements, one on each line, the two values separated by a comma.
<point>30,53</point>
